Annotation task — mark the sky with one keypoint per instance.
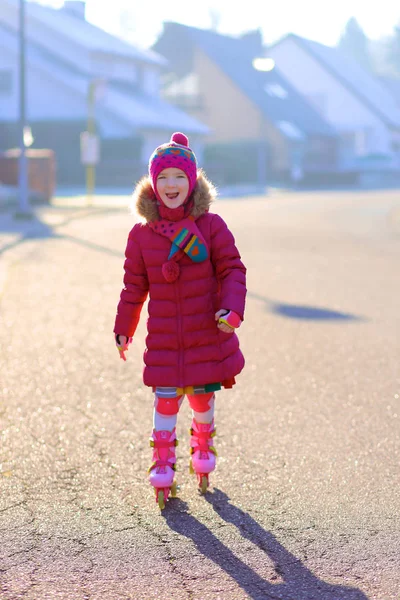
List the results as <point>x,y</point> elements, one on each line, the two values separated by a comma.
<point>316,20</point>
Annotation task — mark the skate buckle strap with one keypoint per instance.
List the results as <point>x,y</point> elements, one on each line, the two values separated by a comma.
<point>203,447</point>
<point>201,439</point>
<point>163,443</point>
<point>204,435</point>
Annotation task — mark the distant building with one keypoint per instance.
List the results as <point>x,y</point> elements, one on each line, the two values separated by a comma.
<point>393,85</point>
<point>354,102</point>
<point>262,128</point>
<point>65,54</point>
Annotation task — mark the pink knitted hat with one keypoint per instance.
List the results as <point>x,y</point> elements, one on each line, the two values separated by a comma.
<point>176,153</point>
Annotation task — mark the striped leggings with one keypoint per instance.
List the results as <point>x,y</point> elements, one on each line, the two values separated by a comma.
<point>166,409</point>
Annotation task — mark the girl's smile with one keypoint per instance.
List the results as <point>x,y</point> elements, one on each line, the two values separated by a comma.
<point>172,187</point>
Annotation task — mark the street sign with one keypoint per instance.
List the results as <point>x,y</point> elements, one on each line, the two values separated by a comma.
<point>90,148</point>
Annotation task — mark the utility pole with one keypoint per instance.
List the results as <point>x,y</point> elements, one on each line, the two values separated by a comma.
<point>23,211</point>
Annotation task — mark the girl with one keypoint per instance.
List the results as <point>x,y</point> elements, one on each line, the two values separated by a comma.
<point>185,259</point>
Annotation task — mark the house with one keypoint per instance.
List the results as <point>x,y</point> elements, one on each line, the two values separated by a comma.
<point>66,56</point>
<point>393,85</point>
<point>354,102</point>
<point>261,126</point>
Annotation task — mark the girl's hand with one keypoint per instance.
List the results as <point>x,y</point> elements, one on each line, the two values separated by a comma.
<point>223,326</point>
<point>122,342</point>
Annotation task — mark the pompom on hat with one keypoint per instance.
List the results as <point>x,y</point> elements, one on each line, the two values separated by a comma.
<point>177,154</point>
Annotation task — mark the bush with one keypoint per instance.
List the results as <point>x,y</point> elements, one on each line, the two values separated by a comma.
<point>232,163</point>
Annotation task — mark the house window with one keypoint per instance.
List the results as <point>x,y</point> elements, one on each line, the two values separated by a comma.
<point>276,90</point>
<point>290,130</point>
<point>6,81</point>
<point>184,92</point>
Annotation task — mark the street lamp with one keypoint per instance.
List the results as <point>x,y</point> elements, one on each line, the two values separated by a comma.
<point>23,211</point>
<point>263,64</point>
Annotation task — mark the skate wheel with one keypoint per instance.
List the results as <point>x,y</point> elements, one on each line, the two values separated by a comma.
<point>191,470</point>
<point>160,499</point>
<point>203,484</point>
<point>174,489</point>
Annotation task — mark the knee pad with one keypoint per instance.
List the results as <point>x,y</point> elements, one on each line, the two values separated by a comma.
<point>201,402</point>
<point>167,406</point>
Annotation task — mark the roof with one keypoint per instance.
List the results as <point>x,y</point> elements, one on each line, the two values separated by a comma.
<point>278,100</point>
<point>135,111</point>
<point>82,33</point>
<point>359,81</point>
<point>145,112</point>
<point>393,85</point>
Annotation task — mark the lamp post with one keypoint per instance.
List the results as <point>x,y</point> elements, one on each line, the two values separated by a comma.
<point>23,211</point>
<point>263,64</point>
<point>91,131</point>
<point>90,142</point>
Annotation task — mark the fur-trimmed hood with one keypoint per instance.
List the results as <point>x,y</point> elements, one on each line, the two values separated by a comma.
<point>144,201</point>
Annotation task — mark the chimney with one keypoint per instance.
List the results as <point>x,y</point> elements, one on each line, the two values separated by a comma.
<point>253,42</point>
<point>76,8</point>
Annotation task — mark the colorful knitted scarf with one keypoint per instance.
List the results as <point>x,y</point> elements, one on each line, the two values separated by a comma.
<point>185,238</point>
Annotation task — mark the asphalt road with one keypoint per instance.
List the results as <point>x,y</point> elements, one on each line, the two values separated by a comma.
<point>305,502</point>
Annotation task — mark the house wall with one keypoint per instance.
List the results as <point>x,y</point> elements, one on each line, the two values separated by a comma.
<point>279,160</point>
<point>225,109</point>
<point>106,66</point>
<point>150,83</point>
<point>232,116</point>
<point>46,97</point>
<point>334,100</point>
<point>111,67</point>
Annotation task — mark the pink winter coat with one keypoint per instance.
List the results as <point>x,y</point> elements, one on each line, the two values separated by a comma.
<point>184,346</point>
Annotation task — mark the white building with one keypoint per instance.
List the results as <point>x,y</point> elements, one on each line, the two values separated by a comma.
<point>65,54</point>
<point>352,100</point>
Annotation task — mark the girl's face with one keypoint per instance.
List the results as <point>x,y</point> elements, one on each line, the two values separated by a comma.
<point>172,187</point>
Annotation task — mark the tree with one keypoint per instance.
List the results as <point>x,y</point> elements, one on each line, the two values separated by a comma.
<point>393,54</point>
<point>215,19</point>
<point>127,25</point>
<point>354,43</point>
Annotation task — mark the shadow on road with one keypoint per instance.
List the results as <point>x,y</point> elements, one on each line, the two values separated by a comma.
<point>303,312</point>
<point>36,228</point>
<point>297,582</point>
<point>23,231</point>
